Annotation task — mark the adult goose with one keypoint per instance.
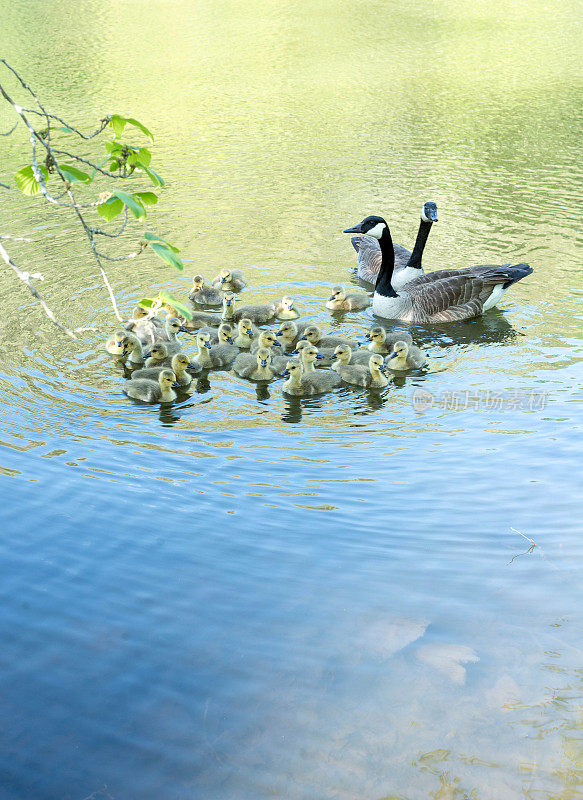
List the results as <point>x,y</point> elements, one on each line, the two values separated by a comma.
<point>407,264</point>
<point>443,296</point>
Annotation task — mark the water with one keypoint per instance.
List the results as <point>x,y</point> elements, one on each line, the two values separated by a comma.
<point>246,596</point>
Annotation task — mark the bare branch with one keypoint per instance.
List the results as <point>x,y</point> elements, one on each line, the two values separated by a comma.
<point>4,186</point>
<point>93,166</point>
<point>25,278</point>
<point>98,231</point>
<point>12,129</point>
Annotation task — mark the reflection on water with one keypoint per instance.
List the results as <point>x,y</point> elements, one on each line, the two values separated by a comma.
<point>245,594</point>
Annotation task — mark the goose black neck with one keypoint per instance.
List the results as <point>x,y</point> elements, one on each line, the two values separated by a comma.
<point>383,285</point>
<point>422,234</point>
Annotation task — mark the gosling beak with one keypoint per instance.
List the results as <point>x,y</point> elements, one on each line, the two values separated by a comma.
<point>182,329</point>
<point>191,365</point>
<point>176,385</point>
<point>146,355</point>
<point>263,362</point>
<point>319,355</point>
<point>277,344</point>
<point>354,229</point>
<point>303,339</point>
<point>295,352</point>
<point>230,339</point>
<point>285,373</point>
<point>368,337</point>
<point>250,334</point>
<point>331,298</point>
<point>383,369</point>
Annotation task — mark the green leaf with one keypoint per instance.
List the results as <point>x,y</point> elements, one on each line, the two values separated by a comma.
<point>64,128</point>
<point>112,147</point>
<point>130,201</point>
<point>117,124</point>
<point>110,209</point>
<point>151,237</point>
<point>153,176</point>
<point>26,181</point>
<point>146,198</point>
<point>181,307</point>
<point>147,302</point>
<point>144,156</point>
<point>136,124</point>
<point>113,166</point>
<point>167,255</point>
<point>73,174</point>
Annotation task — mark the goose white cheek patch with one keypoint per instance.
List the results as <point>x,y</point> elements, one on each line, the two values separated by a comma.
<point>377,231</point>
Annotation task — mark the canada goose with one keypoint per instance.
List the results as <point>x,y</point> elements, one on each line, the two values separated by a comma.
<point>258,313</point>
<point>228,306</point>
<point>158,356</point>
<point>159,391</point>
<point>371,377</point>
<point>218,356</point>
<point>382,341</point>
<point>345,356</point>
<point>285,309</point>
<point>326,354</point>
<point>135,350</point>
<point>204,295</point>
<point>229,280</point>
<point>265,339</point>
<point>246,334</point>
<point>173,327</point>
<point>407,264</point>
<point>309,355</point>
<point>201,319</point>
<point>146,325</point>
<point>340,300</point>
<point>314,336</point>
<point>289,333</point>
<point>116,345</point>
<point>180,364</point>
<point>255,366</point>
<point>442,296</point>
<point>405,356</point>
<point>302,383</point>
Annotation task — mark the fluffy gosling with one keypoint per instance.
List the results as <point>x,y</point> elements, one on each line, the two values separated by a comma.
<point>148,391</point>
<point>340,300</point>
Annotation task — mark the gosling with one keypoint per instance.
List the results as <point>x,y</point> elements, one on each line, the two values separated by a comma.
<point>405,356</point>
<point>326,355</point>
<point>340,300</point>
<point>204,295</point>
<point>230,280</point>
<point>255,366</point>
<point>148,391</point>
<point>381,341</point>
<point>246,334</point>
<point>228,306</point>
<point>344,356</point>
<point>285,309</point>
<point>315,336</point>
<point>218,356</point>
<point>135,349</point>
<point>172,327</point>
<point>289,333</point>
<point>158,356</point>
<point>116,345</point>
<point>263,313</point>
<point>146,325</point>
<point>371,377</point>
<point>268,340</point>
<point>180,364</point>
<point>300,384</point>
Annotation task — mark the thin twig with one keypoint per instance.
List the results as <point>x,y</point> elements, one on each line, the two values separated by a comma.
<point>25,278</point>
<point>526,552</point>
<point>12,129</point>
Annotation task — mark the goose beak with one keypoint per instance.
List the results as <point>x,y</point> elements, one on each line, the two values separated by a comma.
<point>433,215</point>
<point>354,229</point>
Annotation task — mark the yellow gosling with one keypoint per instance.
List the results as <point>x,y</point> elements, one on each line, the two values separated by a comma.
<point>382,341</point>
<point>405,356</point>
<point>229,280</point>
<point>147,391</point>
<point>340,300</point>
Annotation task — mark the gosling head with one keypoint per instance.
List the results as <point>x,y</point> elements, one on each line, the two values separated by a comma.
<point>310,354</point>
<point>197,282</point>
<point>228,300</point>
<point>288,330</point>
<point>120,340</point>
<point>158,351</point>
<point>376,363</point>
<point>263,357</point>
<point>225,276</point>
<point>377,334</point>
<point>225,331</point>
<point>313,334</point>
<point>343,353</point>
<point>293,369</point>
<point>180,363</point>
<point>173,325</point>
<point>203,340</point>
<point>338,294</point>
<point>372,226</point>
<point>267,339</point>
<point>400,350</point>
<point>246,327</point>
<point>287,303</point>
<point>140,312</point>
<point>166,378</point>
<point>429,212</point>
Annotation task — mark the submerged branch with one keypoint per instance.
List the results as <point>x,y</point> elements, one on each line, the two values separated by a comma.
<point>25,278</point>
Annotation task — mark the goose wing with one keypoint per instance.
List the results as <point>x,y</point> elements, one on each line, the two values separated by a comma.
<point>370,257</point>
<point>461,295</point>
<point>430,277</point>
